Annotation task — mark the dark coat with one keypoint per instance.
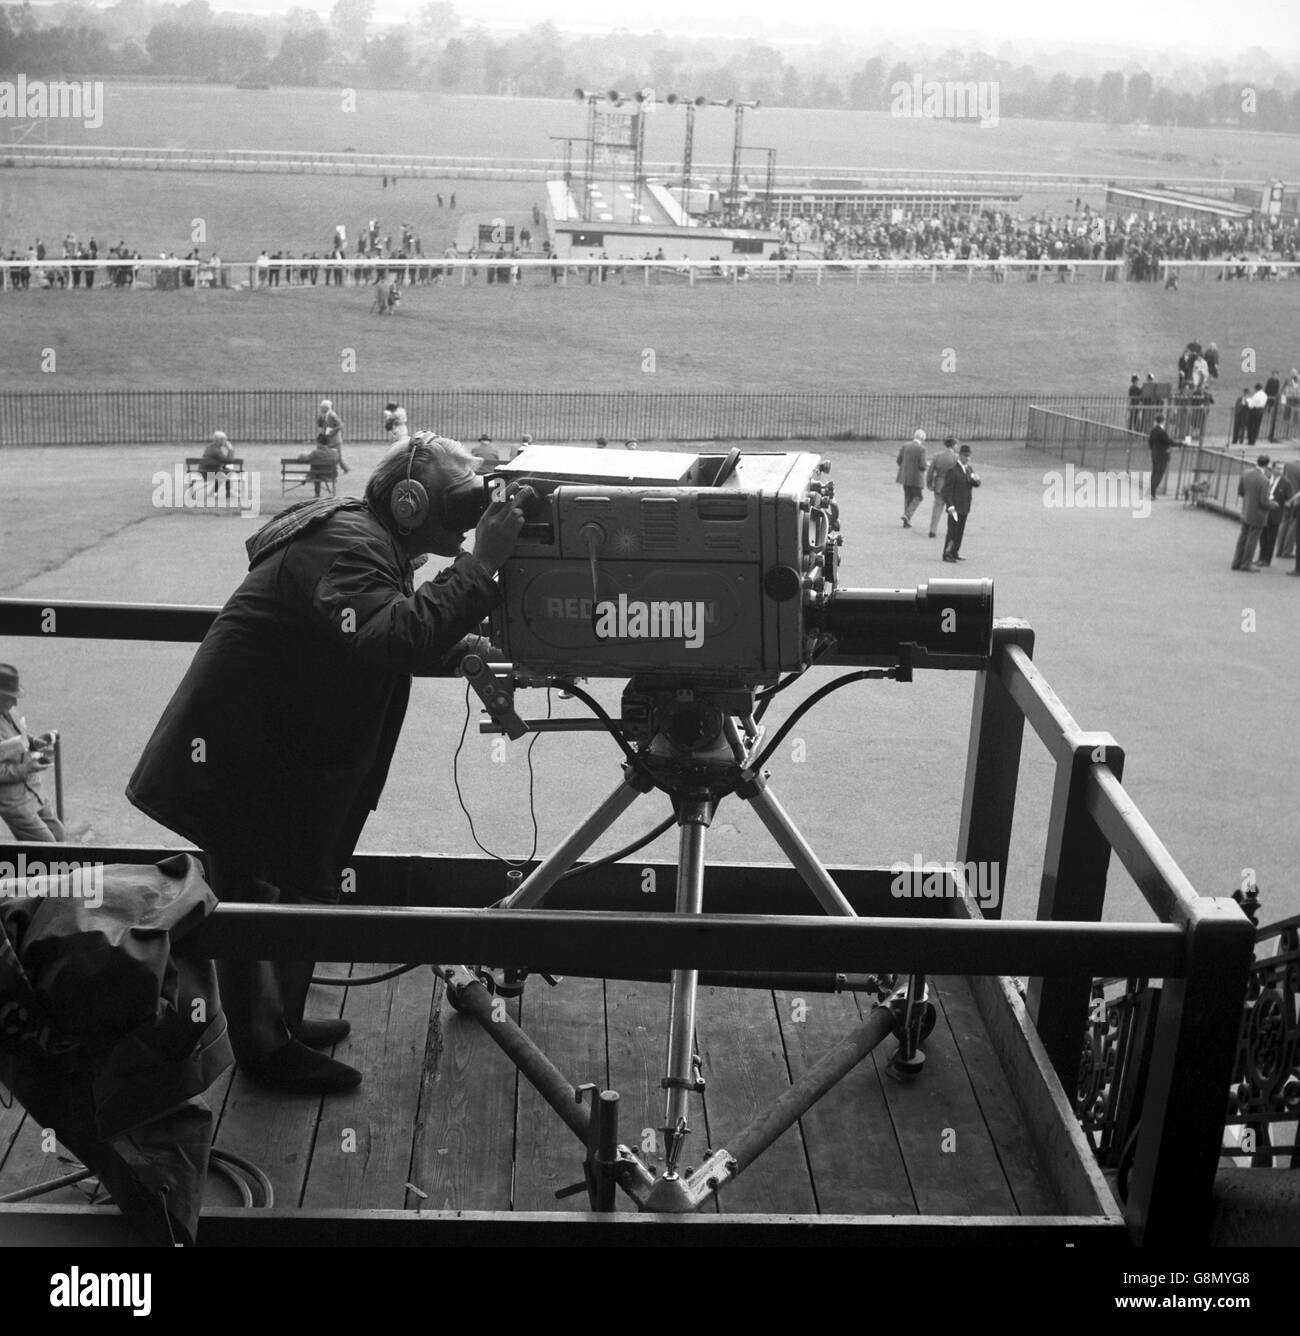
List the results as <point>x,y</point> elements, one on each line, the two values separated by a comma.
<point>1255,505</point>
<point>911,464</point>
<point>1160,442</point>
<point>957,485</point>
<point>276,745</point>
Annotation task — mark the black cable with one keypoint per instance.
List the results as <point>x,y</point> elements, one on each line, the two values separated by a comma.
<point>344,981</point>
<point>230,1158</point>
<point>606,859</point>
<point>611,727</point>
<point>532,778</point>
<point>805,705</point>
<point>764,698</point>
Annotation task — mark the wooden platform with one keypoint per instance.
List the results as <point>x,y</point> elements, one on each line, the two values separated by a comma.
<point>443,1122</point>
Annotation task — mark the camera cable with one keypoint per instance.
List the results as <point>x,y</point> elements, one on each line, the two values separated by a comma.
<point>805,705</point>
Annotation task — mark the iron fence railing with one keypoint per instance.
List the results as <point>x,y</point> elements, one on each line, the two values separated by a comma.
<point>188,417</point>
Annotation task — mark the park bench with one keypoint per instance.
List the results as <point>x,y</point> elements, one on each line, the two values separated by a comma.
<point>201,471</point>
<point>299,472</point>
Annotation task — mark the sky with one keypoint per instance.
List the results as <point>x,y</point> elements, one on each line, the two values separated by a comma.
<point>1155,27</point>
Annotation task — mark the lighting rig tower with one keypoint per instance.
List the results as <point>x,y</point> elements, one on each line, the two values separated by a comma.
<point>692,105</point>
<point>613,138</point>
<point>737,147</point>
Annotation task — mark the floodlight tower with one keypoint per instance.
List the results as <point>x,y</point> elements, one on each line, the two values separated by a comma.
<point>692,105</point>
<point>593,101</point>
<point>737,145</point>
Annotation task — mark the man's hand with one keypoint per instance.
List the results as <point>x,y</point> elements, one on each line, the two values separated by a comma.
<point>479,645</point>
<point>497,533</point>
<point>35,762</point>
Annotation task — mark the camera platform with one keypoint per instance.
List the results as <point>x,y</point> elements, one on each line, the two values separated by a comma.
<point>986,1149</point>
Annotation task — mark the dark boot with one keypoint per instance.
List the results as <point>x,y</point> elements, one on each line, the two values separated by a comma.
<point>295,980</point>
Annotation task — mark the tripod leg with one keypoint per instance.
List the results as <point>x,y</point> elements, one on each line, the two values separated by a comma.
<point>681,1079</point>
<point>796,848</point>
<point>534,887</point>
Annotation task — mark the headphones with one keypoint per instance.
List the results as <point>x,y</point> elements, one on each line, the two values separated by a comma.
<point>409,501</point>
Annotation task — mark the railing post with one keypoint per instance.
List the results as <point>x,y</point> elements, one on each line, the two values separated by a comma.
<point>1181,1131</point>
<point>993,762</point>
<point>1073,888</point>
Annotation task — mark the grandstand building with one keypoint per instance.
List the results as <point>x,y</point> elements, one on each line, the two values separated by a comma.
<point>1175,204</point>
<point>892,203</point>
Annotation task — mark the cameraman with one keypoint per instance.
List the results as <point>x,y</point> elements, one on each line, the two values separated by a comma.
<point>276,745</point>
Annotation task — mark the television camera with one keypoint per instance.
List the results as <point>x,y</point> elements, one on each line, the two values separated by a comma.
<point>709,582</point>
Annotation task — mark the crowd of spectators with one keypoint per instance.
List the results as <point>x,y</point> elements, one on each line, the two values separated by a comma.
<point>70,264</point>
<point>1138,245</point>
<point>1140,242</point>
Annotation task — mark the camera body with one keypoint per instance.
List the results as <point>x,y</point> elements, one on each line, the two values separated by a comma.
<point>666,565</point>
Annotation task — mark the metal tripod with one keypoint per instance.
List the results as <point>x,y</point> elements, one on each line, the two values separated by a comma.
<point>697,756</point>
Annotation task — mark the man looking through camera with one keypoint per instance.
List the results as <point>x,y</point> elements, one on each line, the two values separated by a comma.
<point>276,745</point>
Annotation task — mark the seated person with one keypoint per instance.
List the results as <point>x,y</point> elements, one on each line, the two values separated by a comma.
<point>215,462</point>
<point>489,454</point>
<point>324,463</point>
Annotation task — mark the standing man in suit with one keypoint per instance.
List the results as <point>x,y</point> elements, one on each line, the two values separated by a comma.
<point>1256,402</point>
<point>1279,492</point>
<point>1286,537</point>
<point>1240,416</point>
<point>1134,403</point>
<point>1255,507</point>
<point>958,484</point>
<point>911,473</point>
<point>946,459</point>
<point>1161,443</point>
<point>1272,391</point>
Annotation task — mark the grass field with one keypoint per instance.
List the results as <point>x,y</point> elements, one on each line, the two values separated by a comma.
<point>1016,337</point>
<point>201,117</point>
<point>1140,630</point>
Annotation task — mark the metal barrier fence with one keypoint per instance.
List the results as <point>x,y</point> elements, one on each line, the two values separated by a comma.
<point>188,417</point>
<point>1203,475</point>
<point>1214,474</point>
<point>540,169</point>
<point>622,269</point>
<point>1085,441</point>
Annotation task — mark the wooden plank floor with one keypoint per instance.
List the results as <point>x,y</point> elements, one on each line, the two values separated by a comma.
<point>444,1122</point>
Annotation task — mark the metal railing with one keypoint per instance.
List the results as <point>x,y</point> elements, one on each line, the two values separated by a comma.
<point>484,168</point>
<point>1214,473</point>
<point>188,417</point>
<point>622,269</point>
<point>1085,441</point>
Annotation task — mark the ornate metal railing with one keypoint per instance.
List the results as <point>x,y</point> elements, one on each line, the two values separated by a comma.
<point>1263,1098</point>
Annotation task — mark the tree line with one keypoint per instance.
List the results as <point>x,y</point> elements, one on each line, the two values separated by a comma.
<point>435,49</point>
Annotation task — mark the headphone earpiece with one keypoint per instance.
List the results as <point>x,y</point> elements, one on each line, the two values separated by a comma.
<point>409,501</point>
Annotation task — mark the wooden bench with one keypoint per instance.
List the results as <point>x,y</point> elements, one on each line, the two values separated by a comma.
<point>203,471</point>
<point>299,472</point>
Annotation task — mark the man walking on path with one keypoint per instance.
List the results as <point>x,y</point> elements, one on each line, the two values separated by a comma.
<point>946,459</point>
<point>911,474</point>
